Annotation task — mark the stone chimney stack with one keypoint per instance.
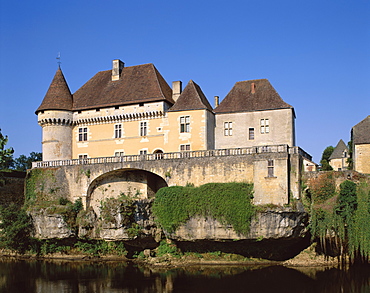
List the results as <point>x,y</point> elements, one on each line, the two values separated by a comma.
<point>176,89</point>
<point>117,67</point>
<point>253,88</point>
<point>217,101</point>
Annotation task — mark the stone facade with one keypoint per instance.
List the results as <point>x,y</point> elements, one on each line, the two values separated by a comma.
<point>129,115</point>
<point>360,135</point>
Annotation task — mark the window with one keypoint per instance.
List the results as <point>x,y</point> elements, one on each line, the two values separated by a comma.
<point>119,153</point>
<point>82,134</point>
<point>251,133</point>
<point>184,147</point>
<point>265,126</point>
<point>228,129</point>
<point>143,152</point>
<point>143,128</point>
<point>185,124</point>
<point>118,131</point>
<point>270,168</point>
<point>82,157</point>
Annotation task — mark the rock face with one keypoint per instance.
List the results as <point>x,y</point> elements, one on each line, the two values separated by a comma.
<point>139,225</point>
<point>273,224</point>
<point>47,225</point>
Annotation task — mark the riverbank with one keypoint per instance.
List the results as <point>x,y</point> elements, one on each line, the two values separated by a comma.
<point>307,258</point>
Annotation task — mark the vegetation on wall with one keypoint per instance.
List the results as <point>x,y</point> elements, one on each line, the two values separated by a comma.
<point>229,203</point>
<point>340,218</point>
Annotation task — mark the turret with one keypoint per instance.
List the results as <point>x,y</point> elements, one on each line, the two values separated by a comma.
<point>55,117</point>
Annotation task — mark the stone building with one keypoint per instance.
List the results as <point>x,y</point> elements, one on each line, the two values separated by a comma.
<point>338,160</point>
<point>360,136</point>
<point>128,113</point>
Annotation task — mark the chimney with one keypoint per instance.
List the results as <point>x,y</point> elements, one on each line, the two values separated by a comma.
<point>176,89</point>
<point>253,87</point>
<point>117,69</point>
<point>217,101</point>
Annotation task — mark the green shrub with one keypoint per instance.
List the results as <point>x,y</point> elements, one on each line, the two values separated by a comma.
<point>229,203</point>
<point>15,228</point>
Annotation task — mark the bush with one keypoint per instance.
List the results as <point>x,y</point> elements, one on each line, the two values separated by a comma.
<point>15,228</point>
<point>229,203</point>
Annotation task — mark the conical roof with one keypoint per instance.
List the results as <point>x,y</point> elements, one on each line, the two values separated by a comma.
<point>251,95</point>
<point>192,98</point>
<point>339,150</point>
<point>58,96</point>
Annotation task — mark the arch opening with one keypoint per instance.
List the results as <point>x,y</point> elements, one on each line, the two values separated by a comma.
<point>133,183</point>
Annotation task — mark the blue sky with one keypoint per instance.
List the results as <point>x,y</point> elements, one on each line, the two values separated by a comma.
<point>315,53</point>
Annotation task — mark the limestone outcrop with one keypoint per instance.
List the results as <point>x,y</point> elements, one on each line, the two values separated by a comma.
<point>123,225</point>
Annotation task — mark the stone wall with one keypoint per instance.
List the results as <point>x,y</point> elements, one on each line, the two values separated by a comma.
<point>147,176</point>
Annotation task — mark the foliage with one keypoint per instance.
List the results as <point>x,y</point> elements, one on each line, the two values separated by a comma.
<point>325,158</point>
<point>229,203</point>
<point>6,154</point>
<point>101,247</point>
<point>322,188</point>
<point>15,228</point>
<point>359,234</point>
<point>23,163</point>
<point>71,211</point>
<point>347,200</point>
<point>165,248</point>
<point>350,153</point>
<point>341,224</point>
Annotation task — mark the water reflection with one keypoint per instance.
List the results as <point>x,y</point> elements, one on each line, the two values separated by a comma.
<point>43,276</point>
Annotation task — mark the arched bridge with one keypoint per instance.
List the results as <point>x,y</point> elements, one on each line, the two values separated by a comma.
<point>94,179</point>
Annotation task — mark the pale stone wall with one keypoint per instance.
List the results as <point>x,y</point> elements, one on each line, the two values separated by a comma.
<point>163,131</point>
<point>339,164</point>
<point>56,135</point>
<point>97,181</point>
<point>275,188</point>
<point>281,128</point>
<point>362,158</point>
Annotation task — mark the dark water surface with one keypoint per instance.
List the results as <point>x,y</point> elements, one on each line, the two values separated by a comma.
<point>44,276</point>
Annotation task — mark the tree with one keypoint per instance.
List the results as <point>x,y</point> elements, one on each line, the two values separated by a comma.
<point>22,163</point>
<point>325,158</point>
<point>6,155</point>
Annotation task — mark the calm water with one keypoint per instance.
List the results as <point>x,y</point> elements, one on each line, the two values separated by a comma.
<point>41,276</point>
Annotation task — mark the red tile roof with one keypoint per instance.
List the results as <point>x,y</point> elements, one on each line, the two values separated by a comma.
<point>192,98</point>
<point>58,96</point>
<point>251,95</point>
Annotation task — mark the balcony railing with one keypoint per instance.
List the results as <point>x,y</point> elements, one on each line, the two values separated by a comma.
<point>173,156</point>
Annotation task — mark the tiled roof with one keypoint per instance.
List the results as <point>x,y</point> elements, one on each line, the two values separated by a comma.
<point>137,84</point>
<point>58,96</point>
<point>192,98</point>
<point>339,150</point>
<point>251,95</point>
<point>361,132</point>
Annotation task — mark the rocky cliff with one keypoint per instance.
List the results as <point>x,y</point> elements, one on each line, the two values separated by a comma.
<point>135,225</point>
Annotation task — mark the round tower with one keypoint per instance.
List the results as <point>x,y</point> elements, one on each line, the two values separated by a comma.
<point>55,116</point>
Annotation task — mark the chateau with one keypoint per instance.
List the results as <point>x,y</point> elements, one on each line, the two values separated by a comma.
<point>132,110</point>
<point>135,132</point>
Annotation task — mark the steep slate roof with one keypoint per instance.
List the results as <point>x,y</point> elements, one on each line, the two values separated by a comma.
<point>58,96</point>
<point>339,150</point>
<point>361,132</point>
<point>137,84</point>
<point>192,98</point>
<point>242,98</point>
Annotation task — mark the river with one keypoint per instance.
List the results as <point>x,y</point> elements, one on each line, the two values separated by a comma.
<point>25,276</point>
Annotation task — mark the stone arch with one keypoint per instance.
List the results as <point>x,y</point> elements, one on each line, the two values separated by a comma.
<point>135,183</point>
